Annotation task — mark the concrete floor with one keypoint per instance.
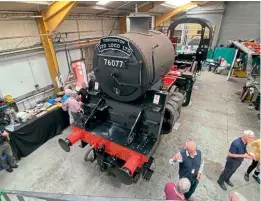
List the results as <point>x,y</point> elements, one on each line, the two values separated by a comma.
<point>213,119</point>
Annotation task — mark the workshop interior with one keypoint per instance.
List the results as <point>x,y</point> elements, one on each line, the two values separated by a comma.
<point>103,94</point>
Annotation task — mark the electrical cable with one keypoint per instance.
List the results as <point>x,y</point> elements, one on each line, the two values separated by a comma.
<point>67,55</point>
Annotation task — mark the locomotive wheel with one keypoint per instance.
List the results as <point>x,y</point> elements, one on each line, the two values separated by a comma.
<point>173,89</point>
<point>177,108</point>
<point>187,98</point>
<point>175,92</point>
<point>90,155</point>
<point>180,95</point>
<point>168,119</point>
<point>187,94</point>
<point>176,99</point>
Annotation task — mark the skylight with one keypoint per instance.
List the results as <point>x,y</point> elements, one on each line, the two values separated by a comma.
<point>175,3</point>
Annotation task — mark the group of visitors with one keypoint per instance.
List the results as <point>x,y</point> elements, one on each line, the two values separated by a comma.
<point>75,103</point>
<point>190,160</point>
<point>74,106</point>
<point>191,163</point>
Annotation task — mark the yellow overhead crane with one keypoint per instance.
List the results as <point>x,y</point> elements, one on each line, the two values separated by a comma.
<point>168,15</point>
<point>55,13</point>
<point>52,17</point>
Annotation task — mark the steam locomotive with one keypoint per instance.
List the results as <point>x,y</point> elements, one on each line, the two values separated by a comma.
<point>127,113</point>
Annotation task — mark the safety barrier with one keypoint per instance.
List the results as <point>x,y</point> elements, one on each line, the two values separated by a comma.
<point>9,195</point>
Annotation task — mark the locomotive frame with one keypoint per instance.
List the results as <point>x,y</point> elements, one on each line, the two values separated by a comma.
<point>182,75</point>
<point>127,113</point>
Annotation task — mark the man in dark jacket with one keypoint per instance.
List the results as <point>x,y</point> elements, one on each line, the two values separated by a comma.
<point>91,83</point>
<point>191,165</point>
<point>84,93</point>
<point>5,148</point>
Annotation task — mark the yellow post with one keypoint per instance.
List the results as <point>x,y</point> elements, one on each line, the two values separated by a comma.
<point>49,51</point>
<point>52,17</point>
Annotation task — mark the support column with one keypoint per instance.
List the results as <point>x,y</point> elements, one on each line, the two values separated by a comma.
<point>49,51</point>
<point>122,24</point>
<point>52,17</point>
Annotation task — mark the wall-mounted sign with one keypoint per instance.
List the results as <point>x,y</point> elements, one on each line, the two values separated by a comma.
<point>115,43</point>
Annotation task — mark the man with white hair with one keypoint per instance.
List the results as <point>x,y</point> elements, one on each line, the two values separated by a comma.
<point>191,165</point>
<point>176,192</point>
<point>235,157</point>
<point>236,197</point>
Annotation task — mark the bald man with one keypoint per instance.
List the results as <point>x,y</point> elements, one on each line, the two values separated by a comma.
<point>191,165</point>
<point>237,153</point>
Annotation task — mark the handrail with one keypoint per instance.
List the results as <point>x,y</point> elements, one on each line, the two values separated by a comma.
<point>61,197</point>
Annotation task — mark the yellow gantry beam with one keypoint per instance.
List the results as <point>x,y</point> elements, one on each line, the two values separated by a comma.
<point>52,17</point>
<point>148,6</point>
<point>173,12</point>
<point>55,13</point>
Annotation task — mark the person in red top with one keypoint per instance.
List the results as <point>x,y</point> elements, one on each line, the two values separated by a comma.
<point>176,192</point>
<point>235,196</point>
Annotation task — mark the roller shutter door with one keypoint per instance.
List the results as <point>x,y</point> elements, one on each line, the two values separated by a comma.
<point>241,21</point>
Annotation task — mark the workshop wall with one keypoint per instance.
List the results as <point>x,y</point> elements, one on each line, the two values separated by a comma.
<point>23,28</point>
<point>80,29</point>
<point>18,77</point>
<point>75,29</point>
<point>241,21</point>
<point>20,73</point>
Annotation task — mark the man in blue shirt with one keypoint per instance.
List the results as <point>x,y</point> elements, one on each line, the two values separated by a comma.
<point>235,157</point>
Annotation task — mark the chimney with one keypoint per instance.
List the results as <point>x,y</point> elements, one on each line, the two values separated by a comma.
<point>139,22</point>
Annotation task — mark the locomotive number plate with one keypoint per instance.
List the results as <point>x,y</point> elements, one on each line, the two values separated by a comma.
<point>114,63</point>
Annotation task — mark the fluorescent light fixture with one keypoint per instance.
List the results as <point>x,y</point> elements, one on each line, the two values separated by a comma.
<point>36,2</point>
<point>103,2</point>
<point>99,8</point>
<point>167,5</point>
<point>175,3</point>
